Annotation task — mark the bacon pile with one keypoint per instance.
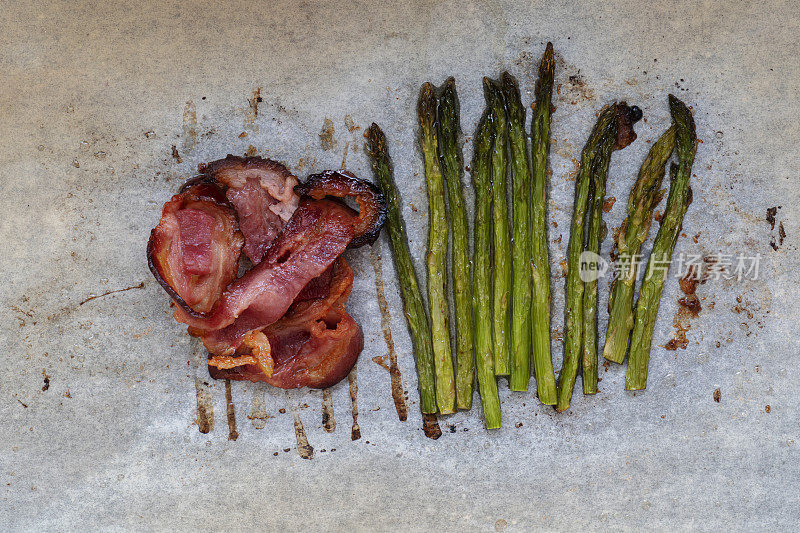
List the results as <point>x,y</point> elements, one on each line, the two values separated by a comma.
<point>283,320</point>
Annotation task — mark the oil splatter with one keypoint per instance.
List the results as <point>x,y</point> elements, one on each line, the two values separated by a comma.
<point>259,412</point>
<point>396,379</point>
<point>328,421</point>
<point>205,408</point>
<point>344,157</point>
<point>304,449</point>
<point>189,126</point>
<point>350,124</point>
<point>231,411</point>
<point>352,378</point>
<point>326,135</point>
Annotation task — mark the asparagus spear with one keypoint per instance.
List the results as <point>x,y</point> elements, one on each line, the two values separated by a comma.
<point>413,306</point>
<point>521,241</point>
<point>452,163</point>
<point>482,271</point>
<point>501,299</point>
<point>596,196</point>
<point>644,197</point>
<point>540,311</point>
<point>437,252</point>
<point>680,196</point>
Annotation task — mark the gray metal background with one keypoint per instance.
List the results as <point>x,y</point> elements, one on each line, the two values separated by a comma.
<point>92,102</point>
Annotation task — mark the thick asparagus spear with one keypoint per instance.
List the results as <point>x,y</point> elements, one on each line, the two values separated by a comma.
<point>482,271</point>
<point>413,306</point>
<point>596,197</point>
<point>680,196</point>
<point>644,197</point>
<point>540,311</point>
<point>613,131</point>
<point>452,163</point>
<point>521,241</point>
<point>437,252</point>
<point>501,298</point>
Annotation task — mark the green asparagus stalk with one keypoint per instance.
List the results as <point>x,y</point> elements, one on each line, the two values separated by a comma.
<point>482,270</point>
<point>413,306</point>
<point>540,311</point>
<point>601,138</point>
<point>452,163</point>
<point>596,197</point>
<point>521,242</point>
<point>437,252</point>
<point>644,197</point>
<point>501,299</point>
<point>680,196</point>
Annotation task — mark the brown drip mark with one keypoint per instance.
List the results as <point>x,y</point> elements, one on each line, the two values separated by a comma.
<point>344,157</point>
<point>252,110</point>
<point>326,138</point>
<point>175,155</point>
<point>259,413</point>
<point>689,308</point>
<point>232,433</point>
<point>398,392</point>
<point>89,299</point>
<point>328,421</point>
<point>430,426</point>
<point>304,449</point>
<point>205,409</point>
<point>352,378</point>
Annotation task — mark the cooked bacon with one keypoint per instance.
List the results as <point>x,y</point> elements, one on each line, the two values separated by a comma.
<point>194,251</point>
<point>343,184</point>
<point>283,321</point>
<point>315,345</point>
<point>262,191</point>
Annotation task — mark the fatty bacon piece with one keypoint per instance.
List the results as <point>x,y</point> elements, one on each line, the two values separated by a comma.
<point>194,250</point>
<point>262,191</point>
<point>315,344</point>
<point>318,232</point>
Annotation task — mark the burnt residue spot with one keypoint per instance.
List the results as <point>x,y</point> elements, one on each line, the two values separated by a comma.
<point>781,233</point>
<point>767,409</point>
<point>251,114</point>
<point>395,377</point>
<point>626,117</point>
<point>23,404</point>
<point>326,135</point>
<point>771,213</point>
<point>430,426</point>
<point>231,411</point>
<point>717,395</point>
<point>46,379</point>
<point>350,124</point>
<point>689,308</point>
<point>352,378</point>
<point>90,298</point>
<point>608,203</point>
<point>328,421</point>
<point>205,408</point>
<point>175,155</point>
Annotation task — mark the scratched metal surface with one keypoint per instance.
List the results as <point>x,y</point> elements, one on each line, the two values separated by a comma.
<point>99,398</point>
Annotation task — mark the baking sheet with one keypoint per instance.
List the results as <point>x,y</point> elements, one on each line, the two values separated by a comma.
<point>108,107</point>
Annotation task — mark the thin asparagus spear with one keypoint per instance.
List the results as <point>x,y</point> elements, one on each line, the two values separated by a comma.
<point>501,299</point>
<point>596,198</point>
<point>521,241</point>
<point>644,197</point>
<point>413,306</point>
<point>601,138</point>
<point>680,196</point>
<point>613,131</point>
<point>540,311</point>
<point>482,271</point>
<point>452,163</point>
<point>437,252</point>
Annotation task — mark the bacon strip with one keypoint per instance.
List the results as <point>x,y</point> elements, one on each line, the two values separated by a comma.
<point>194,251</point>
<point>315,345</point>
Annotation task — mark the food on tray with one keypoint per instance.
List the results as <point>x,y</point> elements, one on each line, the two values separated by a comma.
<point>283,320</point>
<point>612,131</point>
